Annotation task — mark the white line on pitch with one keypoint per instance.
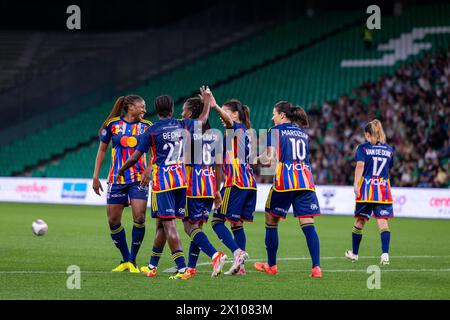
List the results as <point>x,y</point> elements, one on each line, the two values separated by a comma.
<point>169,270</point>
<point>351,270</point>
<point>262,259</point>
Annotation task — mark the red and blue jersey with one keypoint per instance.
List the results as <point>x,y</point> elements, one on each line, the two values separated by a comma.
<point>165,138</point>
<point>124,137</point>
<point>293,170</point>
<point>200,162</point>
<point>236,166</point>
<point>374,185</point>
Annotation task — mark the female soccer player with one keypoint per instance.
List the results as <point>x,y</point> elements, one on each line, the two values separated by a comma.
<point>288,143</point>
<point>201,185</point>
<point>169,183</point>
<point>373,159</point>
<point>239,189</point>
<point>124,132</point>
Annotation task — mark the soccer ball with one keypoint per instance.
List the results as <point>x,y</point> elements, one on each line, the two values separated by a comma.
<point>39,227</point>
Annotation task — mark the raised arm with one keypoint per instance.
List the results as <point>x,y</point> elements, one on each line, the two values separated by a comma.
<point>101,154</point>
<point>226,119</point>
<point>206,95</point>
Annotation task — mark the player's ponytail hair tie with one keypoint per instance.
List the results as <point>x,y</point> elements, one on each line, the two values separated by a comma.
<point>295,114</point>
<point>243,111</point>
<point>376,133</point>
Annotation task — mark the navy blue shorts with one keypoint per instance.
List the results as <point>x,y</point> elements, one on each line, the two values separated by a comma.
<point>123,193</point>
<point>237,204</point>
<point>304,203</point>
<point>198,209</point>
<point>380,211</point>
<point>169,204</point>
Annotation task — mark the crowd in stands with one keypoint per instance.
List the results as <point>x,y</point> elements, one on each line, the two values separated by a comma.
<point>414,107</point>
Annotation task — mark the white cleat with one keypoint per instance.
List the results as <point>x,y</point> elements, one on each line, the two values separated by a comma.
<point>349,255</point>
<point>218,261</point>
<point>384,259</point>
<point>239,260</point>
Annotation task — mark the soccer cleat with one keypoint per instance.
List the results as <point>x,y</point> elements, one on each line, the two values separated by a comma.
<point>384,259</point>
<point>132,267</point>
<point>123,266</point>
<point>181,275</point>
<point>264,267</point>
<point>239,260</point>
<point>353,257</point>
<point>191,271</point>
<point>149,272</point>
<point>316,272</point>
<point>218,261</point>
<point>241,271</point>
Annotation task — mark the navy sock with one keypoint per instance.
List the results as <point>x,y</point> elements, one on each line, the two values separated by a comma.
<point>201,240</point>
<point>156,255</point>
<point>271,244</point>
<point>194,252</point>
<point>137,236</point>
<point>239,236</point>
<point>312,239</point>
<point>385,239</point>
<point>120,240</point>
<point>225,235</point>
<point>356,239</point>
<point>178,258</point>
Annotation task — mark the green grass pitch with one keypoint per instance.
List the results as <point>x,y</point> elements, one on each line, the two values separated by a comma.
<point>34,267</point>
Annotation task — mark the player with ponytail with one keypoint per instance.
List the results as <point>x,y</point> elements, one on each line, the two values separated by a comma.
<point>372,188</point>
<point>236,201</point>
<point>288,146</point>
<point>123,128</point>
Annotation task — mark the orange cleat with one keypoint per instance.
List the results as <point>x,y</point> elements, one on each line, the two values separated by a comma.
<point>191,271</point>
<point>316,272</point>
<point>149,272</point>
<point>264,267</point>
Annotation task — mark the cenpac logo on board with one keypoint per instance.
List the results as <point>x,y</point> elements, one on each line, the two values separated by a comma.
<point>74,190</point>
<point>328,195</point>
<point>441,203</point>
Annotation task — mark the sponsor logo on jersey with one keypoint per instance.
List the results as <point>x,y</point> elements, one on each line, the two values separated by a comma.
<point>376,182</point>
<point>204,172</point>
<point>172,168</point>
<point>297,166</point>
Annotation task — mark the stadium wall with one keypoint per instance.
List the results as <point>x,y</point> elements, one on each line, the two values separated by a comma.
<point>337,200</point>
